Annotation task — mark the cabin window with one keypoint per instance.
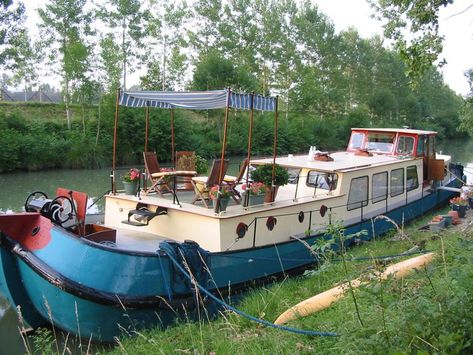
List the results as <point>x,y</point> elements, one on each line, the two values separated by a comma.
<point>321,180</point>
<point>397,182</point>
<point>380,186</point>
<point>412,181</point>
<point>356,140</point>
<point>293,175</point>
<point>420,146</point>
<point>358,195</point>
<point>380,142</point>
<point>405,145</point>
<point>431,147</point>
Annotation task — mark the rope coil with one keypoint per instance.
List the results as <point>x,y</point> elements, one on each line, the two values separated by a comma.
<point>243,314</point>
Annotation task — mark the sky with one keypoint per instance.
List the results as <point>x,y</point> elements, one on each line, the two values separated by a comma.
<point>458,31</point>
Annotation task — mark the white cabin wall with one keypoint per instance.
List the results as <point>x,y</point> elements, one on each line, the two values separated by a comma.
<point>287,224</point>
<point>177,225</point>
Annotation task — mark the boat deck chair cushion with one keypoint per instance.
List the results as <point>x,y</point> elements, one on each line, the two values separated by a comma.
<point>158,179</point>
<point>233,181</point>
<point>203,184</point>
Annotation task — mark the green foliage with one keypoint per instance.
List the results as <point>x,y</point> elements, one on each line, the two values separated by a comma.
<point>215,72</point>
<point>421,48</point>
<point>264,174</point>
<point>12,17</point>
<point>466,113</point>
<point>201,165</point>
<point>44,341</point>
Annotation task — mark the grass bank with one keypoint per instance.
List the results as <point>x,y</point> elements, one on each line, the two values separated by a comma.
<point>428,311</point>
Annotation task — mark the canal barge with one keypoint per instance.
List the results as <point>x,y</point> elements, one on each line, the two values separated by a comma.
<point>100,280</point>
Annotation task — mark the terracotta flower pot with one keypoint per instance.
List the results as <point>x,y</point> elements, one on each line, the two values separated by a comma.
<point>455,217</point>
<point>268,196</point>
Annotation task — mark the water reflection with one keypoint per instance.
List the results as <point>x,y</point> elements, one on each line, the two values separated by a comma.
<point>9,335</point>
<point>461,150</point>
<point>17,186</point>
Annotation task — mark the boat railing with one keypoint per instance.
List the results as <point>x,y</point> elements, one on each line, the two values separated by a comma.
<point>365,214</point>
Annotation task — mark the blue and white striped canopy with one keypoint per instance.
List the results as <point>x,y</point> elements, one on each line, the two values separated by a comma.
<point>195,100</point>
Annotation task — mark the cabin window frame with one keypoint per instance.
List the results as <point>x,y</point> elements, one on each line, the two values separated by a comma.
<point>332,185</point>
<point>379,198</point>
<point>361,203</point>
<point>416,185</point>
<point>381,142</point>
<point>401,191</point>
<point>355,135</point>
<point>404,139</point>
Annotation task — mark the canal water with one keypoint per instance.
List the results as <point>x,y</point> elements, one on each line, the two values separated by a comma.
<point>15,187</point>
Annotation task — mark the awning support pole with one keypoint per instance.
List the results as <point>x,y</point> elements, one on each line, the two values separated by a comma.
<point>114,157</point>
<point>250,141</point>
<point>224,143</point>
<point>147,126</point>
<point>275,146</point>
<point>173,148</point>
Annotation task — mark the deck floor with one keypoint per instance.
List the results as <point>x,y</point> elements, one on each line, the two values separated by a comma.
<point>138,241</point>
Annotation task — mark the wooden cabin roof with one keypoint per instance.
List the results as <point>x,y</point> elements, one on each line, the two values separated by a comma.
<point>342,161</point>
<point>397,130</point>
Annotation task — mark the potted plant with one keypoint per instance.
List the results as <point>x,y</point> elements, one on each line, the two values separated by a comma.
<point>460,205</point>
<point>185,161</point>
<point>253,194</point>
<point>469,197</point>
<point>220,193</point>
<point>264,174</point>
<point>130,181</point>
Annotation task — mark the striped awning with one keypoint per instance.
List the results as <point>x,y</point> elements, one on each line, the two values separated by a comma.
<point>195,100</point>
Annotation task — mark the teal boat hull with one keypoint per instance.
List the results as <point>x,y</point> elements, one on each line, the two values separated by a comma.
<point>100,292</point>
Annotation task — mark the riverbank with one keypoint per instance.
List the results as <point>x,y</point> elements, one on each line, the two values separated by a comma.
<point>428,311</point>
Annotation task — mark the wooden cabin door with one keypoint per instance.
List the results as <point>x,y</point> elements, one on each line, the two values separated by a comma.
<point>434,168</point>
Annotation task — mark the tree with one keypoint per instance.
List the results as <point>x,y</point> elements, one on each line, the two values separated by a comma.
<point>126,14</point>
<point>12,18</point>
<point>206,36</point>
<point>65,25</point>
<point>23,60</point>
<point>466,113</point>
<point>414,27</point>
<point>166,30</point>
<point>152,80</point>
<point>214,72</point>
<point>110,60</point>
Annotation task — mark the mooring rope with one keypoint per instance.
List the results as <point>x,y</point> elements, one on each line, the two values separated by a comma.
<point>99,198</point>
<point>243,314</point>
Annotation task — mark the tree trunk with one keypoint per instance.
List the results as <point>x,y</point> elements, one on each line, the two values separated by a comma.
<point>164,62</point>
<point>83,117</point>
<point>98,122</point>
<point>66,101</point>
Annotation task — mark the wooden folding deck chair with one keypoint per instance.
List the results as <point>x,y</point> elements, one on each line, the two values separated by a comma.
<point>154,173</point>
<point>203,184</point>
<point>232,182</point>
